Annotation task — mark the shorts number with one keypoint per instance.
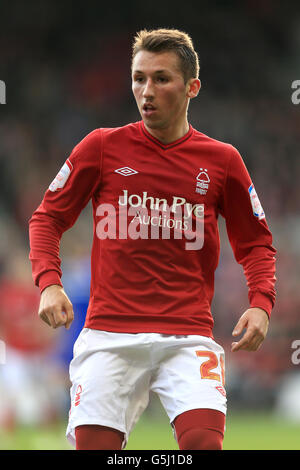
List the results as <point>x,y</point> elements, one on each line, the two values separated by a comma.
<point>211,363</point>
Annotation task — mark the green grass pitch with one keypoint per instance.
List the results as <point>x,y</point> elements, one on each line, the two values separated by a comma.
<point>249,431</point>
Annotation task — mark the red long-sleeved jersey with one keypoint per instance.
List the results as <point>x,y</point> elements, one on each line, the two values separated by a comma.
<point>156,241</point>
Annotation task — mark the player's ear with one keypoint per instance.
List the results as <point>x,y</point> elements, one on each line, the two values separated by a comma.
<point>193,87</point>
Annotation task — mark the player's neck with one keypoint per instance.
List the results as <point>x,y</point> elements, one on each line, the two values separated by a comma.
<point>169,134</point>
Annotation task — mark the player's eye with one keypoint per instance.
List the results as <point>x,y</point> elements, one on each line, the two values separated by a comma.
<point>162,79</point>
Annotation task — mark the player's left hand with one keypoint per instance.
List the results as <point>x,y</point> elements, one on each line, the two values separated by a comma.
<point>256,322</point>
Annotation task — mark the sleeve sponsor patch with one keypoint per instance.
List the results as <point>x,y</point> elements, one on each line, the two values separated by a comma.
<point>255,202</point>
<point>61,177</point>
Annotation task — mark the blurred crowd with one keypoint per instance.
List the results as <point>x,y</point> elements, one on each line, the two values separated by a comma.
<point>66,77</point>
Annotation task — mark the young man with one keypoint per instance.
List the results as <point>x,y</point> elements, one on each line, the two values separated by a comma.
<point>157,188</point>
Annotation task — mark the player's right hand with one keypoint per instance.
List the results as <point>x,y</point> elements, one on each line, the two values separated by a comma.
<point>55,307</point>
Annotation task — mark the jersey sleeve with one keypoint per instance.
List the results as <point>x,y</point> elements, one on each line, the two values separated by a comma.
<point>66,197</point>
<point>249,234</point>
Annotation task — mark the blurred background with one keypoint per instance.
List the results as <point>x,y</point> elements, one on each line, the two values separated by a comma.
<point>66,67</point>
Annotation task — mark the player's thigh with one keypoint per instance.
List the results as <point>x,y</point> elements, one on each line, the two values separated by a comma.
<point>192,376</point>
<point>108,388</point>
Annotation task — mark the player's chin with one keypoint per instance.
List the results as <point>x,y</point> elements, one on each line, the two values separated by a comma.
<point>153,122</point>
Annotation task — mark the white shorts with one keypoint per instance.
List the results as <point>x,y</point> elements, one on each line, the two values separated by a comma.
<point>113,373</point>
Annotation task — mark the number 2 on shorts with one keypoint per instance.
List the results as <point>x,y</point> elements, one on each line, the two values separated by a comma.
<point>211,363</point>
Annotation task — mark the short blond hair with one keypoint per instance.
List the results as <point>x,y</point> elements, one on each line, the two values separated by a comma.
<point>169,40</point>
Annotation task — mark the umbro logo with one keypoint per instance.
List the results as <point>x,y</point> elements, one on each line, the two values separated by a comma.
<point>126,171</point>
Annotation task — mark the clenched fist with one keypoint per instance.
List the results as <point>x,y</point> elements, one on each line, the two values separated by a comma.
<point>55,307</point>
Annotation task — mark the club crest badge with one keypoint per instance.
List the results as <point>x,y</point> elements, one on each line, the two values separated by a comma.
<point>202,182</point>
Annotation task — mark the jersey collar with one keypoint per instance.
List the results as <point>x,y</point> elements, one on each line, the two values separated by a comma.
<point>159,143</point>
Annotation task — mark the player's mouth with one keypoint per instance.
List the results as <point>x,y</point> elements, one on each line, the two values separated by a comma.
<point>148,109</point>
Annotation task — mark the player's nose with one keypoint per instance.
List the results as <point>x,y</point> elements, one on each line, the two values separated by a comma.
<point>148,91</point>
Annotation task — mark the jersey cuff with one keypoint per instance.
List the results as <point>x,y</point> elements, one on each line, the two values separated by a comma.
<point>261,300</point>
<point>48,279</point>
